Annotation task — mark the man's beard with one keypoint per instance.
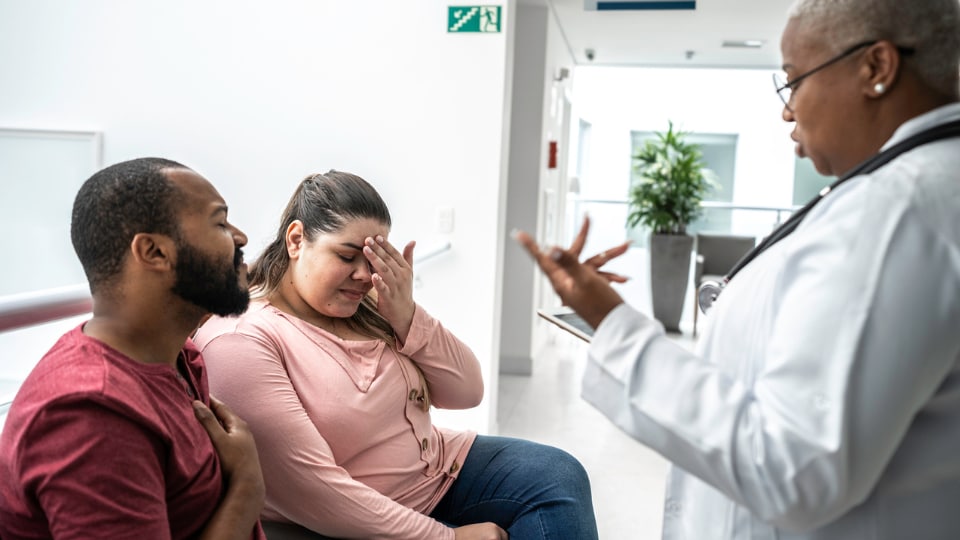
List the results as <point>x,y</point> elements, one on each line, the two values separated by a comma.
<point>213,287</point>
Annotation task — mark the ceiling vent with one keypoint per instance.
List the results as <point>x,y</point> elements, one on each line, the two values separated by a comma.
<point>743,43</point>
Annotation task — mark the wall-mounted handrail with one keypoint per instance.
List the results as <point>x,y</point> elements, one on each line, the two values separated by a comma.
<point>38,307</point>
<point>430,253</point>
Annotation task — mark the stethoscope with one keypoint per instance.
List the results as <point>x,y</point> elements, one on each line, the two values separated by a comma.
<point>708,293</point>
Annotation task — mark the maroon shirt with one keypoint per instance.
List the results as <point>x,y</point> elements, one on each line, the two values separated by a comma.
<point>97,445</point>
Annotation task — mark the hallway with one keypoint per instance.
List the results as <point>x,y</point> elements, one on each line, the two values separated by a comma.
<point>627,478</point>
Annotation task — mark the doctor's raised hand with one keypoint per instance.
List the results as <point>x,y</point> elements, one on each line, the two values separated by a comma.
<point>581,285</point>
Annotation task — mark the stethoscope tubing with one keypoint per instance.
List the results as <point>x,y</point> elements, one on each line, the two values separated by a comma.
<point>709,291</point>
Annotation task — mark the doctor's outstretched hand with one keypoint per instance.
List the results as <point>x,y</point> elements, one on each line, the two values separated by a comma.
<point>581,285</point>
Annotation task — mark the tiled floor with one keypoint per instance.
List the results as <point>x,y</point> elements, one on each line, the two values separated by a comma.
<point>627,478</point>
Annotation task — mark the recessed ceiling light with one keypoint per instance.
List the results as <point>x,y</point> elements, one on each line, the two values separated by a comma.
<point>744,43</point>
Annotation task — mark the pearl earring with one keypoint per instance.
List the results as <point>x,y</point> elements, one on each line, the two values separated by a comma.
<point>879,88</point>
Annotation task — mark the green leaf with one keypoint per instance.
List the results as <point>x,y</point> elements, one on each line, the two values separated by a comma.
<point>671,182</point>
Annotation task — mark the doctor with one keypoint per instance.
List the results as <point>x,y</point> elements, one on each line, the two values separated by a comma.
<point>823,400</point>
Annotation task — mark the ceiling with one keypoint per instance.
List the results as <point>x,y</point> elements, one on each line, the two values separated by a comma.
<point>664,38</point>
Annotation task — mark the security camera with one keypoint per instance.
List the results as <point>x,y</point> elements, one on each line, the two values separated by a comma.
<point>590,54</point>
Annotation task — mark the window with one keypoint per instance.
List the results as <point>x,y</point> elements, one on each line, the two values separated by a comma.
<point>41,169</point>
<point>719,151</point>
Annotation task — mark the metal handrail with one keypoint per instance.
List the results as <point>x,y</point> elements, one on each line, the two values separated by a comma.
<point>707,204</point>
<point>38,307</point>
<point>730,206</point>
<point>430,253</point>
<point>779,210</point>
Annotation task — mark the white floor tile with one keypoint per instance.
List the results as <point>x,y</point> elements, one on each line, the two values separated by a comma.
<point>627,478</point>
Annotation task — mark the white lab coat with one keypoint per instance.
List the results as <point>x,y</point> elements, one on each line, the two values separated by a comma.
<point>823,400</point>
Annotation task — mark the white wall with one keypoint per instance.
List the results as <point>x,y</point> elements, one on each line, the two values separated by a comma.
<point>535,192</point>
<point>617,101</point>
<point>256,95</point>
<point>554,183</point>
<point>523,190</point>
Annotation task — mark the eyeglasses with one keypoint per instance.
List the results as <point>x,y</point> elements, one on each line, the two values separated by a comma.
<point>785,89</point>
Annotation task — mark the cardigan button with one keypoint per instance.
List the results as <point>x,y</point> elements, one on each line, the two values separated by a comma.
<point>424,444</point>
<point>455,467</point>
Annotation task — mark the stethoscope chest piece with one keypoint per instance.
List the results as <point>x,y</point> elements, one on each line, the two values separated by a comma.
<point>707,294</point>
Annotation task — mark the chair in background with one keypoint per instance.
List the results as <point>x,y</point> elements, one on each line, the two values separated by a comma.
<point>716,255</point>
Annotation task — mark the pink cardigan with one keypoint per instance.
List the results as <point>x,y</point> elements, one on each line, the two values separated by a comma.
<point>345,447</point>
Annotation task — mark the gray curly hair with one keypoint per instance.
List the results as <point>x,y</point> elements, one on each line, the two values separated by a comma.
<point>930,27</point>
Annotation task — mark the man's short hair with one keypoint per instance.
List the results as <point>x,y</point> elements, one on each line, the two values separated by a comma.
<point>113,206</point>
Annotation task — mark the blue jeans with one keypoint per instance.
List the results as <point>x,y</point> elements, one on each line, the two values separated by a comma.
<point>531,490</point>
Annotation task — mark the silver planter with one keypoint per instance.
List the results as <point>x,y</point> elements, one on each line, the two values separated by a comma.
<point>669,275</point>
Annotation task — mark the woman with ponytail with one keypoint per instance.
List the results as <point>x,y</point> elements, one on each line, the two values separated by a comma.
<point>335,368</point>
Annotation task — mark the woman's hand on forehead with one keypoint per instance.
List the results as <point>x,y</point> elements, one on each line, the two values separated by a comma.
<point>392,281</point>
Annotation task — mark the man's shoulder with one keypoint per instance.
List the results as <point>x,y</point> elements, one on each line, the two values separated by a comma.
<point>79,368</point>
<point>75,363</point>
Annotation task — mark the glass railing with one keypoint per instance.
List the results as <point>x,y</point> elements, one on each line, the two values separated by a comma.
<point>608,219</point>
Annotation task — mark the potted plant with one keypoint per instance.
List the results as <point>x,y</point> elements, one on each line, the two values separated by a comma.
<point>669,184</point>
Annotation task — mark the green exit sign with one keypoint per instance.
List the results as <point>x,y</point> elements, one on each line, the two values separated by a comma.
<point>473,19</point>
